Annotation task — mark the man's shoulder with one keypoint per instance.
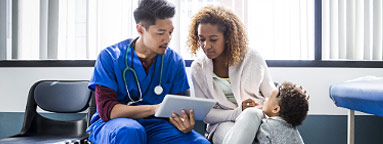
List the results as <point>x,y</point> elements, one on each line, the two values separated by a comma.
<point>116,50</point>
<point>118,46</point>
<point>173,57</point>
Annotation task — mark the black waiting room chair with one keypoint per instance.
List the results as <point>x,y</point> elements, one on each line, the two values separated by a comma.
<point>57,96</point>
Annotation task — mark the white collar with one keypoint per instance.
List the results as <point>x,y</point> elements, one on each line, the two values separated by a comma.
<point>274,117</point>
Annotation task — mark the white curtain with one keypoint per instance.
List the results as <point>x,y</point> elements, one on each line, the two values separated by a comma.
<point>352,29</point>
<point>282,29</point>
<point>109,22</point>
<point>79,29</point>
<point>28,35</point>
<point>88,26</point>
<point>70,29</point>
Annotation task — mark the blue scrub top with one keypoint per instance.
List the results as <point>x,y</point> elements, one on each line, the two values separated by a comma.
<point>111,63</point>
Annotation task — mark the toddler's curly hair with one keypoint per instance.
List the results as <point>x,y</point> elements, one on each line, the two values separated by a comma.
<point>293,104</point>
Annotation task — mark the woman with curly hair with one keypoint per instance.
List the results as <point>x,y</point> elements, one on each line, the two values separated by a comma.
<point>229,72</point>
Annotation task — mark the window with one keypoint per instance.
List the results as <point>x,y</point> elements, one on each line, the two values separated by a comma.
<point>5,29</point>
<point>109,22</point>
<point>282,30</point>
<point>352,30</point>
<point>79,29</point>
<point>279,29</point>
<point>65,30</point>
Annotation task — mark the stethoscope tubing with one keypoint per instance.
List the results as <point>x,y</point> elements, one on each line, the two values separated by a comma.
<point>128,68</point>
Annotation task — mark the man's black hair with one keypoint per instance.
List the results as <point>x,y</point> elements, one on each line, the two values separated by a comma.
<point>150,10</point>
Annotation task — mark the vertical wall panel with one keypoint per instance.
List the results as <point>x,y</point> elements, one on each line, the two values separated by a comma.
<point>377,42</point>
<point>3,29</point>
<point>334,32</point>
<point>28,29</point>
<point>368,31</point>
<point>325,29</point>
<point>350,39</point>
<point>342,28</point>
<point>44,5</point>
<point>359,28</point>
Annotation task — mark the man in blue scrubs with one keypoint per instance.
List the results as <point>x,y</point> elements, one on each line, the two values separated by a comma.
<point>131,79</point>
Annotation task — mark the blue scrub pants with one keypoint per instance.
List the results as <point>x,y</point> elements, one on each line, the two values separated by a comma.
<point>142,131</point>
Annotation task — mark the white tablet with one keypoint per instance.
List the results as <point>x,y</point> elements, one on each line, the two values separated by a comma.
<point>175,103</point>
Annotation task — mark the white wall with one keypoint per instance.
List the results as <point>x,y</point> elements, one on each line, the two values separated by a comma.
<point>15,83</point>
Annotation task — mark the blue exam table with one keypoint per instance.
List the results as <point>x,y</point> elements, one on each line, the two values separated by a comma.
<point>363,94</point>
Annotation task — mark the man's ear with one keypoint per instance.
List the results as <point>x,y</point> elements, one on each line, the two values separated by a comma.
<point>140,29</point>
<point>276,109</point>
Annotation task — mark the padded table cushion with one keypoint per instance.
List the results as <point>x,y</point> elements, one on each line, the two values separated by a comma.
<point>362,94</point>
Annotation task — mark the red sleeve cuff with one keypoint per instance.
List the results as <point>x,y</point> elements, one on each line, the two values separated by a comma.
<point>106,99</point>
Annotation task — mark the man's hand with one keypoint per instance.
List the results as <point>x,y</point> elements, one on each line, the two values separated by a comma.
<point>155,108</point>
<point>184,123</point>
<point>248,103</point>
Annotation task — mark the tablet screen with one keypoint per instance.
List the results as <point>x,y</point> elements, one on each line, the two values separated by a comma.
<point>175,103</point>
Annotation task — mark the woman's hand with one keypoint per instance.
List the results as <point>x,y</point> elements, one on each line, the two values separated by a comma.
<point>185,123</point>
<point>248,103</point>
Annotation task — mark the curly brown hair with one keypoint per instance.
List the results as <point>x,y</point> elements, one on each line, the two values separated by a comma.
<point>229,24</point>
<point>293,104</point>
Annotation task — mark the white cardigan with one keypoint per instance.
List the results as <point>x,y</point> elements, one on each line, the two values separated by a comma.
<point>249,79</point>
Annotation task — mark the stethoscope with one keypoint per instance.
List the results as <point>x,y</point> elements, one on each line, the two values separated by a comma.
<point>157,89</point>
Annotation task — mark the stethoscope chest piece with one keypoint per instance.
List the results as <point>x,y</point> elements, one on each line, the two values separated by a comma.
<point>158,90</point>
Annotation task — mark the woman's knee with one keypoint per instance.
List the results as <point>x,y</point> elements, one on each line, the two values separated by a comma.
<point>221,131</point>
<point>253,113</point>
